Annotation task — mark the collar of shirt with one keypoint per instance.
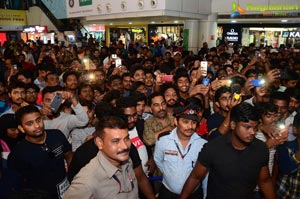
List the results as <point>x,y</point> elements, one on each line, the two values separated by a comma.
<point>108,167</point>
<point>174,136</point>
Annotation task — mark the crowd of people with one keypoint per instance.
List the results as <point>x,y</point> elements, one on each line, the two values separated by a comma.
<point>149,121</point>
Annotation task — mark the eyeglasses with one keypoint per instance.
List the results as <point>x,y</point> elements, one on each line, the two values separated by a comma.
<point>49,151</point>
<point>31,93</point>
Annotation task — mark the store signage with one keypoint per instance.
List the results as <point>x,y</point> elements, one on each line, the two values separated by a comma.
<point>12,17</point>
<point>232,36</point>
<point>85,2</point>
<point>36,29</point>
<point>96,28</point>
<point>137,30</point>
<point>291,34</point>
<point>237,9</point>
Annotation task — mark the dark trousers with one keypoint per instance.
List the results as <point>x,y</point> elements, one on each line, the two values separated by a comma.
<point>164,193</point>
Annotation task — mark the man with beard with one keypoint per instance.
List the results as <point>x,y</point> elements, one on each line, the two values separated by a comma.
<point>85,92</point>
<point>171,95</point>
<point>16,93</point>
<point>242,164</point>
<point>70,79</point>
<point>160,122</point>
<point>39,160</point>
<point>176,153</point>
<point>136,127</point>
<point>218,123</point>
<point>110,173</point>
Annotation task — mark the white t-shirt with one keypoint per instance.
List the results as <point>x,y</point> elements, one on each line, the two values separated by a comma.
<point>140,146</point>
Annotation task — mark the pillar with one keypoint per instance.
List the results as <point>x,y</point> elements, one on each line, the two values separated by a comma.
<point>191,36</point>
<point>208,31</point>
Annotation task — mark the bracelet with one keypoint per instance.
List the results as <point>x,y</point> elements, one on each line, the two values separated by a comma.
<point>225,125</point>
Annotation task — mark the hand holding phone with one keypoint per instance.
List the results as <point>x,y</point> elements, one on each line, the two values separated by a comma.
<point>56,102</point>
<point>203,68</point>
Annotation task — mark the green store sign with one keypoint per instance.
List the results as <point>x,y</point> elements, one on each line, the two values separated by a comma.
<point>85,2</point>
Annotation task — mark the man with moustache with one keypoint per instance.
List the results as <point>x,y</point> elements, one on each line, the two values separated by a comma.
<point>39,159</point>
<point>110,173</point>
<point>170,92</point>
<point>16,93</point>
<point>236,162</point>
<point>160,122</point>
<point>176,153</point>
<point>136,127</point>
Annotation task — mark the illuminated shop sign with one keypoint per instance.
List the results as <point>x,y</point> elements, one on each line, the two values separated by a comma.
<point>291,34</point>
<point>137,30</point>
<point>274,9</point>
<point>232,35</point>
<point>36,29</point>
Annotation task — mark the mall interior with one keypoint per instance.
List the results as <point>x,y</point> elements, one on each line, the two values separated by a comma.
<point>186,22</point>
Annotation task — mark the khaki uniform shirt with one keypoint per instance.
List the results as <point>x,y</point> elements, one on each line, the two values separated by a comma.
<point>100,179</point>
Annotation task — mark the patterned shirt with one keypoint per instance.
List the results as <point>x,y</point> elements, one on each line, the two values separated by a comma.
<point>150,127</point>
<point>288,184</point>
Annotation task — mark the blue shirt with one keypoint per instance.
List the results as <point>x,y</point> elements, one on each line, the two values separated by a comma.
<point>168,158</point>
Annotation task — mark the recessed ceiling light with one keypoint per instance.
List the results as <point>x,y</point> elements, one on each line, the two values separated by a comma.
<point>284,20</point>
<point>152,21</point>
<point>111,24</point>
<point>233,21</point>
<point>176,21</point>
<point>130,23</point>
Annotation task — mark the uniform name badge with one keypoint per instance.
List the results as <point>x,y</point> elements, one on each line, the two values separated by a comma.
<point>171,152</point>
<point>62,187</point>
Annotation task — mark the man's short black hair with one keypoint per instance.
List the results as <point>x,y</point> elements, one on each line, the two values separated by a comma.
<point>111,122</point>
<point>33,86</point>
<point>153,95</point>
<point>277,95</point>
<point>24,111</point>
<point>220,91</point>
<point>181,72</point>
<point>69,73</point>
<point>243,112</point>
<point>51,89</point>
<point>293,92</point>
<point>265,107</point>
<point>14,85</point>
<point>126,102</point>
<point>138,96</point>
<point>135,68</point>
<point>84,85</point>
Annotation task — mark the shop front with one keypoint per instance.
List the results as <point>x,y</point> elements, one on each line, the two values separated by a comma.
<point>168,34</point>
<point>259,36</point>
<point>37,33</point>
<point>11,24</point>
<point>97,32</point>
<point>136,34</point>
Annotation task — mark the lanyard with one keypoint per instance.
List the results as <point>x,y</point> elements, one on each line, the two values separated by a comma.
<point>182,156</point>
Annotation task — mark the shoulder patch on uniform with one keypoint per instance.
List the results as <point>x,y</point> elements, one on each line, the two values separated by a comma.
<point>163,134</point>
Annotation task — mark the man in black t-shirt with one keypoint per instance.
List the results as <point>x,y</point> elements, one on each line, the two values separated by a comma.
<point>39,159</point>
<point>236,162</point>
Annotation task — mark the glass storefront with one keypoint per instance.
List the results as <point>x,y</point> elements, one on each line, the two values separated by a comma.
<point>128,34</point>
<point>170,33</point>
<point>262,36</point>
<point>36,33</point>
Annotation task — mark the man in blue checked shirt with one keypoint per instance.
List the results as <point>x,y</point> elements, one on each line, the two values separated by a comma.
<point>176,154</point>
